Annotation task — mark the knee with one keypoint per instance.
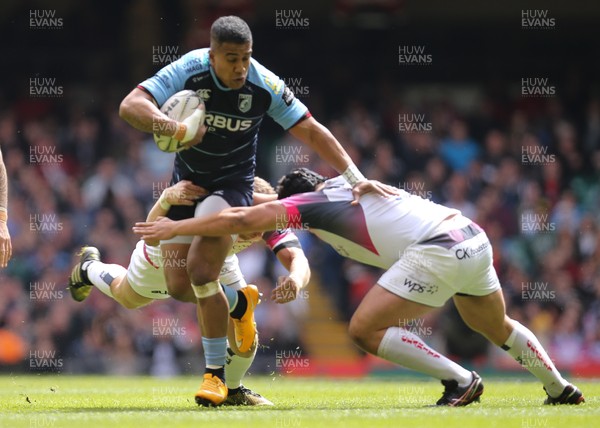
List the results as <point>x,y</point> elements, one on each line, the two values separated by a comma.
<point>183,294</point>
<point>472,326</point>
<point>179,288</point>
<point>359,334</point>
<point>203,274</point>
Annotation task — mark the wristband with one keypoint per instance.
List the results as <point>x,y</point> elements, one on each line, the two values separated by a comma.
<point>164,204</point>
<point>3,214</point>
<point>191,125</point>
<point>352,175</point>
<point>179,135</point>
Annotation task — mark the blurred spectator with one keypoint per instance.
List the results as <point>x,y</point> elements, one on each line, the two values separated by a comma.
<point>80,175</point>
<point>107,183</point>
<point>457,191</point>
<point>458,150</point>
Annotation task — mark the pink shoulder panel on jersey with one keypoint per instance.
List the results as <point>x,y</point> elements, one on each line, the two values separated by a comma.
<point>293,217</point>
<point>280,237</point>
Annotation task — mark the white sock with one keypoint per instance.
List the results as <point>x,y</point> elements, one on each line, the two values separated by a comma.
<point>524,347</point>
<point>236,368</point>
<point>407,349</point>
<point>102,275</point>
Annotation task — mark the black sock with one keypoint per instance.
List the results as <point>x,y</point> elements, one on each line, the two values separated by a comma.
<point>240,308</point>
<point>220,372</point>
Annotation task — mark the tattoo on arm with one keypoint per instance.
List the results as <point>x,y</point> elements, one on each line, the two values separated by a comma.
<point>3,186</point>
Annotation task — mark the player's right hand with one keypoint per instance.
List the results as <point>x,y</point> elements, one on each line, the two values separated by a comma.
<point>287,289</point>
<point>161,229</point>
<point>368,186</point>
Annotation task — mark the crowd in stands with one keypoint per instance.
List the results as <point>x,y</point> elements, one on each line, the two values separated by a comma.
<point>532,183</point>
<point>526,169</point>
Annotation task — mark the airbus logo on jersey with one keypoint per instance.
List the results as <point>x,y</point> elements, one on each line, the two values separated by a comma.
<point>216,121</point>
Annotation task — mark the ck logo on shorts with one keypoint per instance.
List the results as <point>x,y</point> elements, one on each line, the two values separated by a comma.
<point>414,286</point>
<point>467,253</point>
<point>462,253</point>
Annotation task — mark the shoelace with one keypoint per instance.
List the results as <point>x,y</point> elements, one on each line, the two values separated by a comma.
<point>248,391</point>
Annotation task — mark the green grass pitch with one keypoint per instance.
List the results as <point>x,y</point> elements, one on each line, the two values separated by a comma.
<point>56,401</point>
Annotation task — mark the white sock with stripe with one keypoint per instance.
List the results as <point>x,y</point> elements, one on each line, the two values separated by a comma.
<point>102,275</point>
<point>524,347</point>
<point>236,368</point>
<point>408,350</point>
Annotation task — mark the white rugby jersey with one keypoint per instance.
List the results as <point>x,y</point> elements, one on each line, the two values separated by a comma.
<point>376,231</point>
<point>146,274</point>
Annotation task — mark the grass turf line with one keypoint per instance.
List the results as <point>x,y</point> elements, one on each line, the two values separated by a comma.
<point>57,401</point>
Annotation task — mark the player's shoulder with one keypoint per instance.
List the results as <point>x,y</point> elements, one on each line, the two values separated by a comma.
<point>195,61</point>
<point>338,182</point>
<point>265,78</point>
<point>336,189</point>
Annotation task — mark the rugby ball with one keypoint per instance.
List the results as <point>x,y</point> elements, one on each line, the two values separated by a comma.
<point>178,107</point>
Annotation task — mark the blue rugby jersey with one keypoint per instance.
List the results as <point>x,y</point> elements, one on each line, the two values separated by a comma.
<point>227,154</point>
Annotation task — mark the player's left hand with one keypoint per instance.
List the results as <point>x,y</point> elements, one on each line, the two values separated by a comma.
<point>184,192</point>
<point>5,245</point>
<point>368,186</point>
<point>287,289</point>
<point>161,229</point>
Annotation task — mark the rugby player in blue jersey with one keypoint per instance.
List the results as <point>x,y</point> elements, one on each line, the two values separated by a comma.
<point>221,157</point>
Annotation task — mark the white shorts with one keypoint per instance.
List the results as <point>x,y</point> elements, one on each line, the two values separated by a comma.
<point>231,274</point>
<point>145,273</point>
<point>146,277</point>
<point>456,260</point>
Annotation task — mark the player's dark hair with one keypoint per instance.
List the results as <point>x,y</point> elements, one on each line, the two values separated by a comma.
<point>300,180</point>
<point>230,29</point>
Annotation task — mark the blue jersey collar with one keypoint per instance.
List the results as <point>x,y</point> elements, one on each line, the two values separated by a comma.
<point>217,81</point>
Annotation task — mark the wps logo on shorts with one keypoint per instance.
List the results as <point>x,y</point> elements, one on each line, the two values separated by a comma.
<point>414,286</point>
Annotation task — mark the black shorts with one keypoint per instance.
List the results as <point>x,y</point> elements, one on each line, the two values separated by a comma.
<point>240,196</point>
